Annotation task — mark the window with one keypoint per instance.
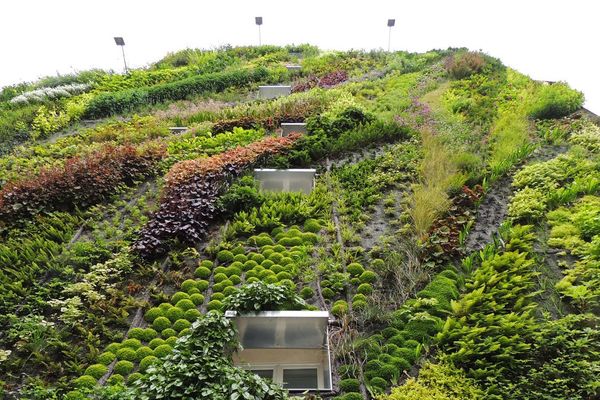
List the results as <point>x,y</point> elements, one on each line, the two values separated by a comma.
<point>301,378</point>
<point>289,347</point>
<point>263,373</point>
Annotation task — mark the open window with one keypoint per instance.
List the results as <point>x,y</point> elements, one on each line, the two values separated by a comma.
<point>289,347</point>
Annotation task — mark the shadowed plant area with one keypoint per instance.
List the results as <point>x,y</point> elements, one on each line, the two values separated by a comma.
<point>395,226</point>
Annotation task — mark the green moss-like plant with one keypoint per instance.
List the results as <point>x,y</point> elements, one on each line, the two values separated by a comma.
<point>152,314</point>
<point>161,323</point>
<point>154,343</point>
<point>126,353</point>
<point>106,358</point>
<point>202,272</point>
<point>349,385</point>
<point>312,225</point>
<point>207,264</point>
<point>188,284</point>
<point>225,256</point>
<point>134,377</point>
<point>85,381</point>
<point>307,292</point>
<point>132,343</point>
<point>240,258</point>
<point>214,305</point>
<point>181,324</point>
<point>355,269</point>
<point>185,304</point>
<point>96,370</point>
<point>202,285</point>
<point>162,351</point>
<point>175,313</point>
<point>365,289</point>
<point>115,379</point>
<point>197,299</point>
<point>178,297</point>
<point>368,277</point>
<point>192,314</point>
<point>167,333</point>
<point>123,367</point>
<point>147,361</point>
<point>142,352</point>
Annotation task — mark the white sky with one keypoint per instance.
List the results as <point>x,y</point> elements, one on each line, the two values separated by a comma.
<point>549,40</point>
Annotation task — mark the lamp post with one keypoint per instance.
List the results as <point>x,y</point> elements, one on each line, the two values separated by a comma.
<point>120,42</point>
<point>259,22</point>
<point>391,22</point>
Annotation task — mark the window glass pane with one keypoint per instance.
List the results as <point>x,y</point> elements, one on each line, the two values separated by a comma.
<point>258,333</point>
<point>305,378</point>
<point>263,373</point>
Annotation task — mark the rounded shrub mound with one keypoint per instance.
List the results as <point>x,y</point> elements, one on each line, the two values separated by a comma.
<point>136,333</point>
<point>379,382</point>
<point>202,285</point>
<point>132,343</point>
<point>368,277</point>
<point>359,305</point>
<point>181,324</point>
<point>312,225</point>
<point>365,288</point>
<point>240,258</point>
<point>225,256</point>
<point>123,367</point>
<point>192,315</point>
<point>161,323</point>
<point>175,313</point>
<point>214,305</point>
<point>142,352</point>
<point>188,284</point>
<point>202,272</point>
<point>167,333</point>
<point>115,379</point>
<point>184,332</point>
<point>149,334</point>
<point>328,293</point>
<point>106,358</point>
<point>96,370</point>
<point>113,347</point>
<point>339,308</point>
<point>165,306</point>
<point>217,296</point>
<point>134,377</point>
<point>152,314</point>
<point>197,299</point>
<point>307,292</point>
<point>85,381</point>
<point>154,343</point>
<point>207,264</point>
<point>126,353</point>
<point>162,350</point>
<point>185,304</point>
<point>147,361</point>
<point>355,269</point>
<point>234,270</point>
<point>179,296</point>
<point>349,385</point>
<point>171,341</point>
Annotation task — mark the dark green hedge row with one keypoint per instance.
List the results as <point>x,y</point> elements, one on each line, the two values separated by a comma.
<point>106,104</point>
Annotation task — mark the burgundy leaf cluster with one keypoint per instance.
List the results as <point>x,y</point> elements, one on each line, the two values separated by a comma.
<point>191,190</point>
<point>329,80</point>
<point>80,182</point>
<point>444,236</point>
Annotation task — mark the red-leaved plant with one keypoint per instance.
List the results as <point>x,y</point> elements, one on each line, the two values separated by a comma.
<point>191,189</point>
<point>82,181</point>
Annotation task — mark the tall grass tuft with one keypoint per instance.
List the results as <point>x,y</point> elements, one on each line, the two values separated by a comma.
<point>439,176</point>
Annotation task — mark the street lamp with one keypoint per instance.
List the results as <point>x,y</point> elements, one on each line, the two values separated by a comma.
<point>120,42</point>
<point>391,22</point>
<point>258,21</point>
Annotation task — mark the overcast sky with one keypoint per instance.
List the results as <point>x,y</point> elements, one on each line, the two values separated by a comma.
<point>548,40</point>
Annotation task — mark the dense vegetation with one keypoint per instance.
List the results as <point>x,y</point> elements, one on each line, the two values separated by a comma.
<point>453,230</point>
